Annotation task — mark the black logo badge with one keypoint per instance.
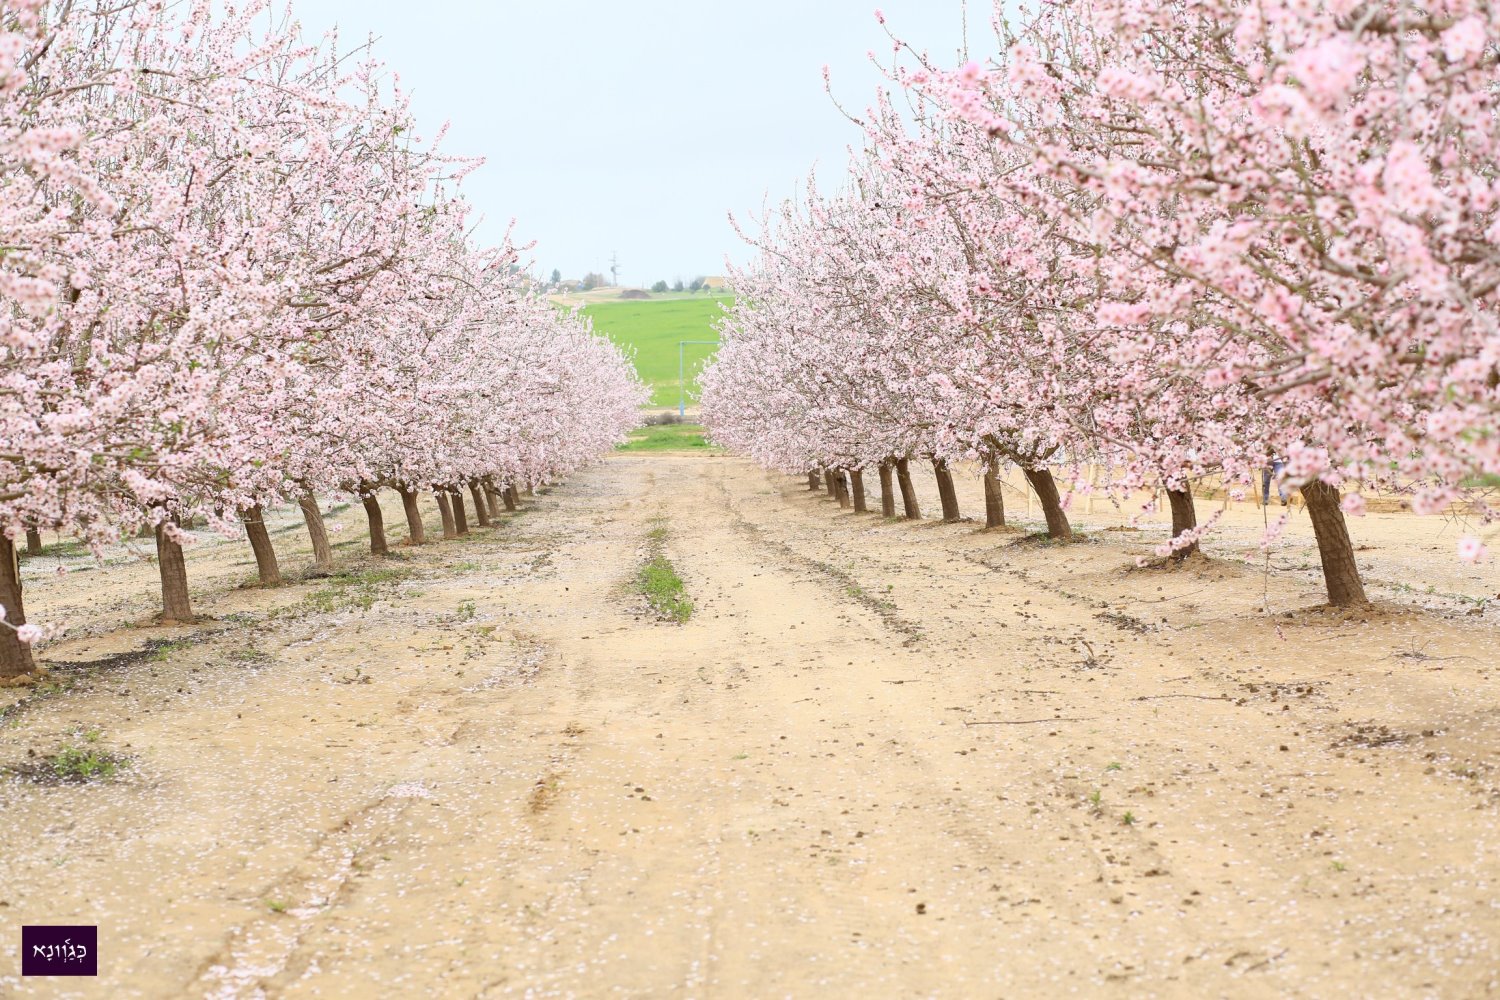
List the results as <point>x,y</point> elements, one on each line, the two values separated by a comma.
<point>59,951</point>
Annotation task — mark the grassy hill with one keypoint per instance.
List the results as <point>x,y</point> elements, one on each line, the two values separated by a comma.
<point>654,328</point>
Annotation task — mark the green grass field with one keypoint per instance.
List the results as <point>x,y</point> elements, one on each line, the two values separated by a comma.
<point>668,437</point>
<point>654,329</point>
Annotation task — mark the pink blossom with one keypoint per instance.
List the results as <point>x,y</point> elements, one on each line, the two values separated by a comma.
<point>1465,40</point>
<point>1328,69</point>
<point>1408,178</point>
<point>971,73</point>
<point>1118,82</point>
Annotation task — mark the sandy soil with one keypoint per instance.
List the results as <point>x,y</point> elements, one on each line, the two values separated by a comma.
<point>882,760</point>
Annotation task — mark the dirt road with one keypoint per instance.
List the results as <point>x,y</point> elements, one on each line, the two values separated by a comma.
<point>882,760</point>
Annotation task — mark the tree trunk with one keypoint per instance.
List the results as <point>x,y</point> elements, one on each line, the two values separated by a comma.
<point>828,484</point>
<point>460,517</point>
<point>481,512</point>
<point>254,519</point>
<point>994,501</point>
<point>812,480</point>
<point>1184,519</point>
<point>15,655</point>
<point>450,530</point>
<point>512,498</point>
<point>33,542</point>
<point>322,551</point>
<point>841,488</point>
<point>497,506</point>
<point>1046,492</point>
<point>1340,571</point>
<point>378,546</point>
<point>887,488</point>
<point>176,608</point>
<point>908,491</point>
<point>857,487</point>
<point>497,502</point>
<point>416,531</point>
<point>946,491</point>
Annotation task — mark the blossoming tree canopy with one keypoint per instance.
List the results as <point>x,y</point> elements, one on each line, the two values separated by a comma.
<point>1306,201</point>
<point>1176,239</point>
<point>234,276</point>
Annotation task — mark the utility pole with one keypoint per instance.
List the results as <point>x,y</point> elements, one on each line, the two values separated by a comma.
<point>614,268</point>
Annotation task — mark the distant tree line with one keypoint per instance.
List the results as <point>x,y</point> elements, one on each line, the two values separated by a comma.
<point>698,284</point>
<point>594,280</point>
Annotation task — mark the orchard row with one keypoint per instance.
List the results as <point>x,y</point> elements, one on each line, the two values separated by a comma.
<point>234,275</point>
<point>1179,240</point>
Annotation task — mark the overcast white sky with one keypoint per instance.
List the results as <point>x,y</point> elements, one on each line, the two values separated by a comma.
<point>637,126</point>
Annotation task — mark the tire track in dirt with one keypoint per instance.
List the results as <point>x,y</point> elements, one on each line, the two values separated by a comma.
<point>1077,880</point>
<point>917,768</point>
<point>844,583</point>
<point>260,952</point>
